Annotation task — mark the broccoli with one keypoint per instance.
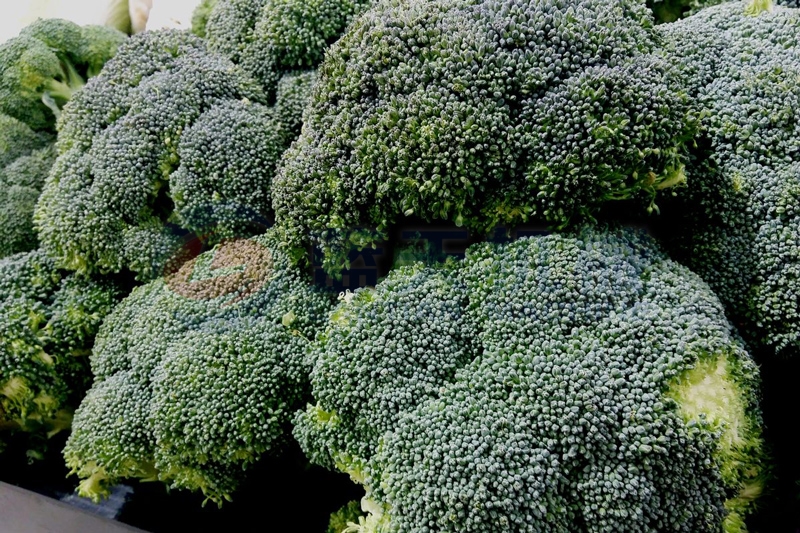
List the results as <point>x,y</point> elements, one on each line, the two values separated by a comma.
<point>271,37</point>
<point>200,17</point>
<point>671,10</point>
<point>169,138</point>
<point>20,185</point>
<point>42,68</point>
<point>39,71</point>
<point>481,113</point>
<point>350,513</point>
<point>576,382</point>
<point>47,325</point>
<point>25,159</point>
<point>737,223</point>
<point>17,139</point>
<point>198,374</point>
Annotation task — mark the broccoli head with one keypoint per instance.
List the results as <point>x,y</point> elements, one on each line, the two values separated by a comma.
<point>481,113</point>
<point>737,222</point>
<point>577,382</point>
<point>198,374</point>
<point>271,37</point>
<point>47,325</point>
<point>20,185</point>
<point>50,59</point>
<point>25,159</point>
<point>168,139</point>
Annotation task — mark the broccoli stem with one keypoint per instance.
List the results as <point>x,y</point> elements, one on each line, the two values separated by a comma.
<point>58,92</point>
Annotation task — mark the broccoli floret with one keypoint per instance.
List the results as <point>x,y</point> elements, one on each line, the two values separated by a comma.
<point>671,10</point>
<point>39,72</point>
<point>482,113</point>
<point>17,139</point>
<point>389,369</point>
<point>200,16</point>
<point>270,37</point>
<point>198,374</point>
<point>737,223</point>
<point>42,68</point>
<point>25,159</point>
<point>20,185</point>
<point>47,325</point>
<point>292,97</point>
<point>169,138</point>
<point>341,519</point>
<point>578,382</point>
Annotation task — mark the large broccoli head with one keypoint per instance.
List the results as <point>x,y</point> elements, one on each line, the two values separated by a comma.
<point>270,38</point>
<point>481,112</point>
<point>737,223</point>
<point>50,59</point>
<point>168,138</point>
<point>562,383</point>
<point>47,325</point>
<point>198,374</point>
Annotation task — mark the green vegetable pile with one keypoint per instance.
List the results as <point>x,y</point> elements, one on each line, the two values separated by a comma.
<point>165,198</point>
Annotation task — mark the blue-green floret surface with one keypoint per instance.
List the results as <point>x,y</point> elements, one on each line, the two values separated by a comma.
<point>737,223</point>
<point>576,382</point>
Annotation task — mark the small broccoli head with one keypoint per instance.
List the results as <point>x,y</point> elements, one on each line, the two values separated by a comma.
<point>601,388</point>
<point>47,326</point>
<point>43,66</point>
<point>227,156</point>
<point>168,139</point>
<point>215,355</point>
<point>20,185</point>
<point>17,139</point>
<point>384,352</point>
<point>481,114</point>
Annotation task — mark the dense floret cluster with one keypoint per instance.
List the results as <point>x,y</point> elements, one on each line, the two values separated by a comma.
<point>197,374</point>
<point>560,383</point>
<point>25,159</point>
<point>737,224</point>
<point>270,38</point>
<point>48,320</point>
<point>168,138</point>
<point>482,113</point>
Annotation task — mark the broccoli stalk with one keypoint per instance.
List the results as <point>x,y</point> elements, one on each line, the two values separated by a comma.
<point>58,91</point>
